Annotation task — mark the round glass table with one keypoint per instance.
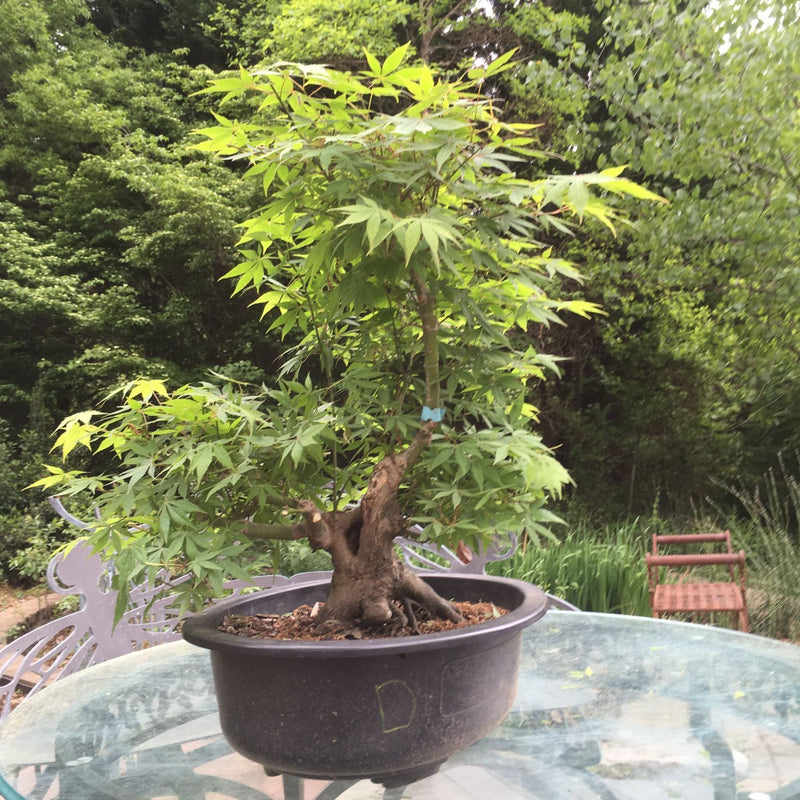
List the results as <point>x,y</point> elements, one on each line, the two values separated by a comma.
<point>608,707</point>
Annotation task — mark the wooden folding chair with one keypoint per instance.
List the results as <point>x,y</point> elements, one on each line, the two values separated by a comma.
<point>692,596</point>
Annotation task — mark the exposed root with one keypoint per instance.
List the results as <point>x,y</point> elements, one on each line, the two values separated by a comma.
<point>399,619</point>
<point>416,590</point>
<point>412,617</point>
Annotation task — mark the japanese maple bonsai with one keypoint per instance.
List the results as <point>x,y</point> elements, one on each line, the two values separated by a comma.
<point>398,255</point>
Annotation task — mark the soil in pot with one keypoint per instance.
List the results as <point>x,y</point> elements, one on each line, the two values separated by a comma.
<point>302,624</point>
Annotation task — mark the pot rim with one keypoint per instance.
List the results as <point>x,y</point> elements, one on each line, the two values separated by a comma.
<point>202,629</point>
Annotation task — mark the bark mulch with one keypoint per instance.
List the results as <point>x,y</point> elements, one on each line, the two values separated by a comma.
<point>301,624</point>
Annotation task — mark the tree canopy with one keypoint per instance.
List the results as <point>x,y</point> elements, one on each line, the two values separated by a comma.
<point>702,103</point>
<point>401,248</point>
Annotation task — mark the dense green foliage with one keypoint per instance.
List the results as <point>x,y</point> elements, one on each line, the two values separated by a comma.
<point>113,230</point>
<point>691,374</point>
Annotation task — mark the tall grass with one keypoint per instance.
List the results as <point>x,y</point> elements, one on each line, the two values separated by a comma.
<point>771,538</point>
<point>595,570</point>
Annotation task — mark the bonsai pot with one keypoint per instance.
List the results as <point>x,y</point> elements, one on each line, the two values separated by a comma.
<point>388,709</point>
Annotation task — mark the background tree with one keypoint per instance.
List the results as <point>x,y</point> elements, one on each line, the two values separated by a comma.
<point>691,373</point>
<point>112,231</point>
<point>116,230</point>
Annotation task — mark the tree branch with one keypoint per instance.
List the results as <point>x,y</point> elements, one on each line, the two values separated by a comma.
<point>426,305</point>
<point>312,527</point>
<point>315,528</point>
<point>429,30</point>
<point>261,530</point>
<point>449,15</point>
<point>423,438</point>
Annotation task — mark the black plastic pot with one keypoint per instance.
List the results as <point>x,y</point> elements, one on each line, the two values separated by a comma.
<point>389,709</point>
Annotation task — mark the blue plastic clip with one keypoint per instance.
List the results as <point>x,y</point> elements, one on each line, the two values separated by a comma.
<point>432,414</point>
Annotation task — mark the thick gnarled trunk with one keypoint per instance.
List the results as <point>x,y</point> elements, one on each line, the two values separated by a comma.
<point>370,584</point>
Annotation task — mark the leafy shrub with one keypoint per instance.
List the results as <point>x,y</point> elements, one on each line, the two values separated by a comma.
<point>27,543</point>
<point>42,538</point>
<point>295,557</point>
<point>29,531</point>
<point>324,31</point>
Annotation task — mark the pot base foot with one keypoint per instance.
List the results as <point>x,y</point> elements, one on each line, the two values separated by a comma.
<point>406,776</point>
<point>391,780</point>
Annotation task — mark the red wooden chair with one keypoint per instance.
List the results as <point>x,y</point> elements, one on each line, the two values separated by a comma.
<point>697,596</point>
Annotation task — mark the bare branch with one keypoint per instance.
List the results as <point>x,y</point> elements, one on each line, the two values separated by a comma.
<point>259,530</point>
<point>426,305</point>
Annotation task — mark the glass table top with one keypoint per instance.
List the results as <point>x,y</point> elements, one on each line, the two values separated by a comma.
<point>608,707</point>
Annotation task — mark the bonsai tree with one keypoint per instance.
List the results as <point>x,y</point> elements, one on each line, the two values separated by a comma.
<point>399,256</point>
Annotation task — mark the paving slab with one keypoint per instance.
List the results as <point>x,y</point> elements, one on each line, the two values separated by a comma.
<point>23,610</point>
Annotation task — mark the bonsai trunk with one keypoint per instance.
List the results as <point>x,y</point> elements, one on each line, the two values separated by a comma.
<point>371,585</point>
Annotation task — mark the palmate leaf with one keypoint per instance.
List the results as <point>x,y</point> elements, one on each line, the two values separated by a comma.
<point>578,193</point>
<point>376,230</point>
<point>358,212</point>
<point>76,432</point>
<point>408,233</point>
<point>269,300</point>
<point>373,62</point>
<point>431,232</point>
<point>609,179</point>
